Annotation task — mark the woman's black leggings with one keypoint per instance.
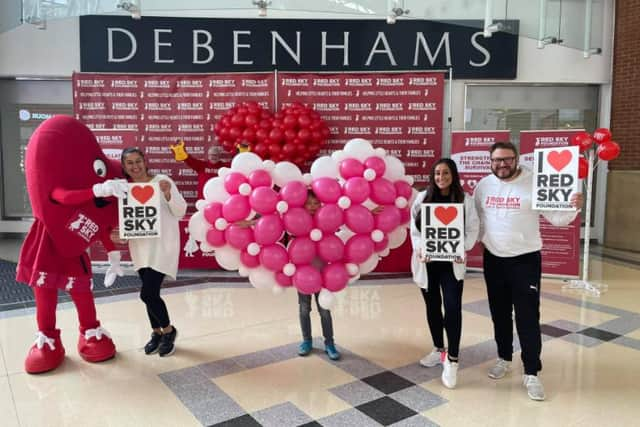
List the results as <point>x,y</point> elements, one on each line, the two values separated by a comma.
<point>150,295</point>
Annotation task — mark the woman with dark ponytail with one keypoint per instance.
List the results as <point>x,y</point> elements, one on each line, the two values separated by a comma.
<point>442,280</point>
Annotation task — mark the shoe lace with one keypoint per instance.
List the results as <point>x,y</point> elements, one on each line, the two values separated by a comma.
<point>502,363</point>
<point>96,333</point>
<point>42,339</point>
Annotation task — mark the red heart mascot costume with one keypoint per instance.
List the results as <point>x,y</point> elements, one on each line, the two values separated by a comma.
<point>71,186</point>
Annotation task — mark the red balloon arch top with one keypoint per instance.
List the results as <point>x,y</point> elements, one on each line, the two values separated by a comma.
<point>605,148</point>
<point>295,134</point>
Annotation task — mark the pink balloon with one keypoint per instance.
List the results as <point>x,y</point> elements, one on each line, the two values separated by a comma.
<point>294,193</point>
<point>259,178</point>
<point>327,190</point>
<point>238,237</point>
<point>377,164</point>
<point>359,219</point>
<point>350,168</point>
<point>405,215</point>
<point>381,245</point>
<point>388,219</point>
<point>302,250</point>
<point>307,280</point>
<point>358,248</point>
<point>212,212</point>
<point>233,181</point>
<point>236,208</point>
<point>283,279</point>
<point>357,189</point>
<point>330,248</point>
<point>263,200</point>
<point>215,237</point>
<point>248,260</point>
<point>329,218</point>
<point>274,257</point>
<point>335,277</point>
<point>383,191</point>
<point>268,230</point>
<point>403,189</point>
<point>298,221</point>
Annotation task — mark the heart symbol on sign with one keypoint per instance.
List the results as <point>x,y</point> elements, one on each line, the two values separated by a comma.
<point>446,215</point>
<point>142,193</point>
<point>558,160</point>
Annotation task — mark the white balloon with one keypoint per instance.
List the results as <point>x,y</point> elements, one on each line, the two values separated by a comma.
<point>316,235</point>
<point>410,180</point>
<point>244,189</point>
<point>262,278</point>
<point>359,148</point>
<point>228,257</point>
<point>380,152</point>
<point>221,224</point>
<point>383,253</point>
<point>344,202</point>
<point>243,271</point>
<point>394,169</point>
<point>206,247</point>
<point>246,163</point>
<point>377,235</point>
<point>269,165</point>
<point>282,206</point>
<point>369,174</point>
<point>323,167</point>
<point>370,264</point>
<point>352,268</point>
<point>354,279</point>
<point>401,202</point>
<point>223,172</point>
<point>307,178</point>
<point>201,204</point>
<point>285,172</point>
<point>198,226</point>
<point>289,269</point>
<point>369,204</point>
<point>397,237</point>
<point>326,299</point>
<point>345,234</point>
<point>338,156</point>
<point>277,290</point>
<point>214,190</point>
<point>253,249</point>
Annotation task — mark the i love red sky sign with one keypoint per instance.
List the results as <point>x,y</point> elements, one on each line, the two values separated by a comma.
<point>443,231</point>
<point>139,212</point>
<point>555,177</point>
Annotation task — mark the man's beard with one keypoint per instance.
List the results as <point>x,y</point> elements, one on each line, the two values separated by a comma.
<point>512,171</point>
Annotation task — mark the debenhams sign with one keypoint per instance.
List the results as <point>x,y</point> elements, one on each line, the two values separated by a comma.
<point>197,45</point>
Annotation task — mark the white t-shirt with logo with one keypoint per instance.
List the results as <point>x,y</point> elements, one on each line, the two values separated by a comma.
<point>508,224</point>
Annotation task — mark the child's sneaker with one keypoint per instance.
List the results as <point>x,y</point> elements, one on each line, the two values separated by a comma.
<point>167,347</point>
<point>304,348</point>
<point>449,373</point>
<point>331,351</point>
<point>433,359</point>
<point>153,344</point>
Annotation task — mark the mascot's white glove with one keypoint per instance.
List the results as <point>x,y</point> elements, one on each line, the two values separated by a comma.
<point>111,187</point>
<point>114,268</point>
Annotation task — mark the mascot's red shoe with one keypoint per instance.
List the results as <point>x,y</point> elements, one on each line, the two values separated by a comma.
<point>46,354</point>
<point>95,345</point>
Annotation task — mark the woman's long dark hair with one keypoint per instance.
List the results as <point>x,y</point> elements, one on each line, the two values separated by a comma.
<point>128,151</point>
<point>456,193</point>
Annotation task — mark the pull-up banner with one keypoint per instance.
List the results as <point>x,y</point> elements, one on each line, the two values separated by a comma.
<point>119,44</point>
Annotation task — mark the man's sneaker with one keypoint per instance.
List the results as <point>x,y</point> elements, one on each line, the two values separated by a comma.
<point>153,344</point>
<point>535,390</point>
<point>500,369</point>
<point>449,373</point>
<point>331,351</point>
<point>304,348</point>
<point>433,359</point>
<point>167,348</point>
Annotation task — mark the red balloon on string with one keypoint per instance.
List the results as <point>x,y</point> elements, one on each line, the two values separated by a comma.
<point>583,168</point>
<point>608,150</point>
<point>601,135</point>
<point>583,140</point>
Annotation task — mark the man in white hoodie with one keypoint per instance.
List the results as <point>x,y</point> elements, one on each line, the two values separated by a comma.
<point>510,232</point>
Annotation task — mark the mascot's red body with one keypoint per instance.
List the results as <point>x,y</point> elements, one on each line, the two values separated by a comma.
<point>64,163</point>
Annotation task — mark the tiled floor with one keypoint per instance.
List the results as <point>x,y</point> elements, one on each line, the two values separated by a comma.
<point>237,362</point>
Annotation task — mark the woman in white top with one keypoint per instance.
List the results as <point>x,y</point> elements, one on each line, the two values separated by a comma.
<point>446,276</point>
<point>155,258</point>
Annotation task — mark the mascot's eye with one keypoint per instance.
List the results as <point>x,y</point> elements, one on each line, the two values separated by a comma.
<point>100,168</point>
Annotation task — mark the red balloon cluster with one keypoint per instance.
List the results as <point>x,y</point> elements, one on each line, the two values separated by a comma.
<point>295,134</point>
<point>606,148</point>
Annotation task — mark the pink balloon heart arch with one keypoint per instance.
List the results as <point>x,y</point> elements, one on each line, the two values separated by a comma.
<point>364,198</point>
